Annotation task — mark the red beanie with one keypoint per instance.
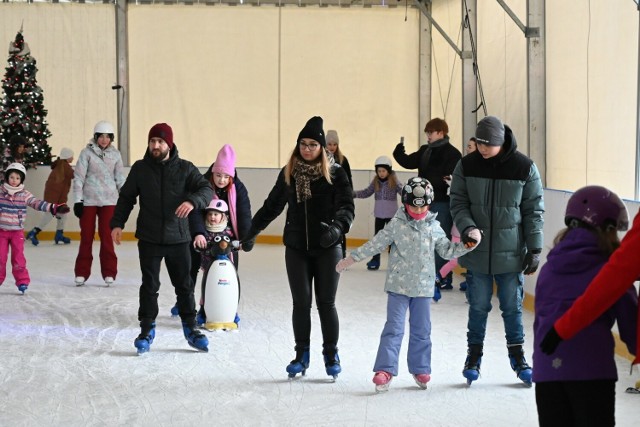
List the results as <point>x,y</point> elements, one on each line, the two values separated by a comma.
<point>162,131</point>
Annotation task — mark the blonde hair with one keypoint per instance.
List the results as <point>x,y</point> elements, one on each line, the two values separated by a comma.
<point>325,167</point>
<point>392,181</point>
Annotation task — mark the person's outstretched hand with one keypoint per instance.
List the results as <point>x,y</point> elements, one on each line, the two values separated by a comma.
<point>345,263</point>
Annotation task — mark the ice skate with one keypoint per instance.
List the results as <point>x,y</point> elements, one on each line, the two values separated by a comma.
<point>174,311</point>
<point>436,294</point>
<point>300,364</point>
<point>201,319</point>
<point>145,339</point>
<point>422,380</point>
<point>22,288</point>
<point>61,238</point>
<point>519,364</point>
<point>332,363</point>
<point>32,235</point>
<point>195,338</point>
<point>374,264</point>
<point>471,369</point>
<point>382,379</point>
<point>80,281</point>
<point>108,281</point>
<point>444,283</point>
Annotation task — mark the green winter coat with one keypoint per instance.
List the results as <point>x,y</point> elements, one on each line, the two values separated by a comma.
<point>503,197</point>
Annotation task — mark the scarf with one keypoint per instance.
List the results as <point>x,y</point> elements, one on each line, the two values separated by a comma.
<point>304,174</point>
<point>13,190</point>
<point>216,228</point>
<point>426,156</point>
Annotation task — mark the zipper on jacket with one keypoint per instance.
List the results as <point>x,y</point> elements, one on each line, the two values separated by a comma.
<point>306,224</point>
<point>493,193</point>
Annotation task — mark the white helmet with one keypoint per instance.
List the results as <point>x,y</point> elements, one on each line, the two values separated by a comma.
<point>383,161</point>
<point>15,167</point>
<point>103,127</point>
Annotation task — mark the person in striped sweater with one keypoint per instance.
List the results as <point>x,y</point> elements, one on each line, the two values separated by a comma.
<point>14,200</point>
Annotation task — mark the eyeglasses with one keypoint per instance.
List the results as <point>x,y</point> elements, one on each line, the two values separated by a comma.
<point>429,132</point>
<point>309,147</point>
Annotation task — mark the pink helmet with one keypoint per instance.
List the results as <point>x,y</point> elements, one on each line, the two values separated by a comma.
<point>598,207</point>
<point>218,205</point>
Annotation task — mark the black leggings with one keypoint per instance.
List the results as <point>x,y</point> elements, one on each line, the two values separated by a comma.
<point>576,403</point>
<point>317,269</point>
<point>379,225</point>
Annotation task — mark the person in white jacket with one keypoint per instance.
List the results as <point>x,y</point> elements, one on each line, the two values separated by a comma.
<point>97,179</point>
<point>415,236</point>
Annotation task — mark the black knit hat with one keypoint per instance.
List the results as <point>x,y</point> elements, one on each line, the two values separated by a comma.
<point>313,130</point>
<point>490,131</point>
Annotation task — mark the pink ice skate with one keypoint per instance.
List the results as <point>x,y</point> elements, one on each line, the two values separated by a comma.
<point>422,380</point>
<point>382,379</point>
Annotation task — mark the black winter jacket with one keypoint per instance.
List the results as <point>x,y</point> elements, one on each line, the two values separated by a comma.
<point>161,188</point>
<point>330,203</point>
<point>243,209</point>
<point>442,162</point>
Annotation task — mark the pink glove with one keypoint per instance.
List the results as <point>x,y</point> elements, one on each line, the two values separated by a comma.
<point>345,263</point>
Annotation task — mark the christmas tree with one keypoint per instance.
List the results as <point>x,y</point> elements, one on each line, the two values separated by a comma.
<point>22,114</point>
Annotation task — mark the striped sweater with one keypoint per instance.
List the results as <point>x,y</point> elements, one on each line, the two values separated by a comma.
<point>13,208</point>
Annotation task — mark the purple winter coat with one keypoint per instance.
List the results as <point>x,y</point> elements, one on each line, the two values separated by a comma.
<point>570,266</point>
<point>386,199</point>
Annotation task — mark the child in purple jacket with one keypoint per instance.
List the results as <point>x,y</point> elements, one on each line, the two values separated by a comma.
<point>576,384</point>
<point>386,188</point>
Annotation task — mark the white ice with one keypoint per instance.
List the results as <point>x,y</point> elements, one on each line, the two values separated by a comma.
<point>67,357</point>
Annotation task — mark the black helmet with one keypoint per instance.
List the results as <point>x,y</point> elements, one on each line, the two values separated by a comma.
<point>417,192</point>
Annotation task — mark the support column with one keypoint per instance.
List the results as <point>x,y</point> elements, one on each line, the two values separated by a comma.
<point>122,87</point>
<point>424,107</point>
<point>536,85</point>
<point>469,84</point>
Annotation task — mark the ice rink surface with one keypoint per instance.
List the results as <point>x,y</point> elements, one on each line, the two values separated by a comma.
<point>67,357</point>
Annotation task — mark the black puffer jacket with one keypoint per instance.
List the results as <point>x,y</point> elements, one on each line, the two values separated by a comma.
<point>161,188</point>
<point>330,203</point>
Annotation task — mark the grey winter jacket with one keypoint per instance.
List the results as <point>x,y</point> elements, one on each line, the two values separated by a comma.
<point>503,197</point>
<point>412,265</point>
<point>98,175</point>
<point>161,188</point>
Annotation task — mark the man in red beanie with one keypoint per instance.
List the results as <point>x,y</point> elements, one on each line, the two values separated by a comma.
<point>168,188</point>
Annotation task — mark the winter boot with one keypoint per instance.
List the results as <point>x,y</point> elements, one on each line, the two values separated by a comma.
<point>332,363</point>
<point>300,364</point>
<point>32,235</point>
<point>471,369</point>
<point>374,264</point>
<point>519,364</point>
<point>382,379</point>
<point>61,238</point>
<point>145,339</point>
<point>194,337</point>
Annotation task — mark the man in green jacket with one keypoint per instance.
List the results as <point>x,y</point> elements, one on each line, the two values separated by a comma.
<point>497,191</point>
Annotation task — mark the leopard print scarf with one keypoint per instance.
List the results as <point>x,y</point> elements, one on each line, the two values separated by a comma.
<point>305,174</point>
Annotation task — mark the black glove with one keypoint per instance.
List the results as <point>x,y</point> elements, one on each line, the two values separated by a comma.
<point>77,209</point>
<point>550,341</point>
<point>59,209</point>
<point>471,236</point>
<point>399,149</point>
<point>331,234</point>
<point>249,240</point>
<point>531,262</point>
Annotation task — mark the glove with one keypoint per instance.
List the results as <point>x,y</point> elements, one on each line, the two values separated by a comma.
<point>531,262</point>
<point>59,209</point>
<point>550,341</point>
<point>399,149</point>
<point>248,242</point>
<point>77,209</point>
<point>235,244</point>
<point>345,263</point>
<point>471,237</point>
<point>330,235</point>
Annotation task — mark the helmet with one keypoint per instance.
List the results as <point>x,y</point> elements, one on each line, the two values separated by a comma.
<point>218,205</point>
<point>417,192</point>
<point>15,167</point>
<point>598,207</point>
<point>103,127</point>
<point>383,161</point>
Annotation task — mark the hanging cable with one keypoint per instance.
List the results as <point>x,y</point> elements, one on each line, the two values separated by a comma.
<point>476,69</point>
<point>445,104</point>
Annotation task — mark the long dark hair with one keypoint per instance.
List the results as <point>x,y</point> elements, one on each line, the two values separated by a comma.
<point>608,239</point>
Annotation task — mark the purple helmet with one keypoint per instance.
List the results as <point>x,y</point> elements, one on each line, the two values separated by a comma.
<point>417,192</point>
<point>598,207</point>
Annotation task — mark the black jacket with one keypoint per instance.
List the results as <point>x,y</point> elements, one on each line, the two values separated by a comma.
<point>161,188</point>
<point>441,163</point>
<point>330,203</point>
<point>243,209</point>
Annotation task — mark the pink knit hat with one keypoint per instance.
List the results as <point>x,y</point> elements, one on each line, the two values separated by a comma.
<point>226,161</point>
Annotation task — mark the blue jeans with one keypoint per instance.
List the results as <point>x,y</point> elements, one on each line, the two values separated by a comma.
<point>446,222</point>
<point>419,351</point>
<point>510,295</point>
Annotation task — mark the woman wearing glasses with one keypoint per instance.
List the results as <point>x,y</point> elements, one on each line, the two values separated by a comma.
<point>435,161</point>
<point>320,211</point>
